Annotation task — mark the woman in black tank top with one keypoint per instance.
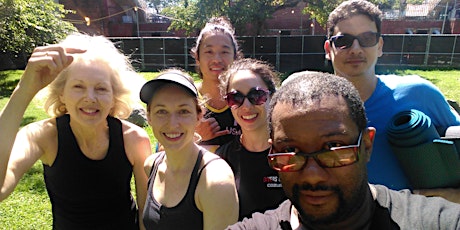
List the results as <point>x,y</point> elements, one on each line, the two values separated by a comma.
<point>189,187</point>
<point>89,154</point>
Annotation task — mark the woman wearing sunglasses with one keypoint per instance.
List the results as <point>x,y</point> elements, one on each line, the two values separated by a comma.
<point>189,187</point>
<point>216,48</point>
<point>248,85</point>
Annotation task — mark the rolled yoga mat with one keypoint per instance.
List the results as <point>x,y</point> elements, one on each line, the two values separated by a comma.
<point>427,161</point>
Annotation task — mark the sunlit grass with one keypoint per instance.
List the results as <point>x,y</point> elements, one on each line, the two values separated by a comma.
<point>28,207</point>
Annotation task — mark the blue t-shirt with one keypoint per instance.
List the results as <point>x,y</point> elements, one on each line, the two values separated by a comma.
<point>394,94</point>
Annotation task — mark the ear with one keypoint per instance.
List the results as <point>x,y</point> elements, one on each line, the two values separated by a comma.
<point>380,47</point>
<point>61,97</point>
<point>148,117</point>
<point>368,141</point>
<point>197,59</point>
<point>327,49</point>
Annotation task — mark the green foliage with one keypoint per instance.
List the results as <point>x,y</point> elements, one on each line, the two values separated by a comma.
<point>26,24</point>
<point>415,2</point>
<point>191,16</point>
<point>252,11</point>
<point>320,9</point>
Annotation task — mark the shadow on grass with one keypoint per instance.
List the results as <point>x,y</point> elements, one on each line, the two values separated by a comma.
<point>6,86</point>
<point>27,120</point>
<point>33,181</point>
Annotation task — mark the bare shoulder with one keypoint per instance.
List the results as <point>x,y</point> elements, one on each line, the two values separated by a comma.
<point>41,131</point>
<point>42,139</point>
<point>136,142</point>
<point>131,130</point>
<point>148,163</point>
<point>217,169</point>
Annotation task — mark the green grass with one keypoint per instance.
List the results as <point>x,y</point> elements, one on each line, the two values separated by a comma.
<point>448,81</point>
<point>28,207</point>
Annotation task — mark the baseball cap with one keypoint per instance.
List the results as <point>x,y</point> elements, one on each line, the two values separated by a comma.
<point>149,88</point>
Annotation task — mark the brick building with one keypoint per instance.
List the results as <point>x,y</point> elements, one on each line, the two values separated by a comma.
<point>130,18</point>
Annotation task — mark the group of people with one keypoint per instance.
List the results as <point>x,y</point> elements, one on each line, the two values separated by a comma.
<point>238,150</point>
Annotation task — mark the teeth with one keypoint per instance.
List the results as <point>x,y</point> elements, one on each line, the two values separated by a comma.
<point>172,135</point>
<point>249,116</point>
<point>89,110</point>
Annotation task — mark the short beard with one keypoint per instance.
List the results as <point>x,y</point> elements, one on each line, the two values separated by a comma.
<point>344,209</point>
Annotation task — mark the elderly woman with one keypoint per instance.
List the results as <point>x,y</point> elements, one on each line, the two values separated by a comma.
<point>88,153</point>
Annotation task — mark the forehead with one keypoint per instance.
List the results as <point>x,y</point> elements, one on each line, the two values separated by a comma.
<point>355,25</point>
<point>216,39</point>
<point>330,114</point>
<point>83,71</point>
<point>245,77</point>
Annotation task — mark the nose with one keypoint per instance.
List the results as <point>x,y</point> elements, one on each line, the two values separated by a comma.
<point>246,103</point>
<point>173,120</point>
<point>90,95</point>
<point>356,47</point>
<point>313,173</point>
<point>217,57</point>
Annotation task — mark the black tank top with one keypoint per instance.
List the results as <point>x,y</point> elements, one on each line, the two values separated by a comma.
<point>90,194</point>
<point>183,216</point>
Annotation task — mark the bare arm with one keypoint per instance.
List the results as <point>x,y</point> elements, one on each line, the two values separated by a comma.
<point>217,196</point>
<point>17,154</point>
<point>138,149</point>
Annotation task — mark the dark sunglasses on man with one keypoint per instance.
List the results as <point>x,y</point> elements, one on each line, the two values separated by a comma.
<point>327,158</point>
<point>256,95</point>
<point>345,41</point>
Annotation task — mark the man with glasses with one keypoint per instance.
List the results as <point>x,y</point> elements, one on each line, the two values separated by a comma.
<point>354,44</point>
<point>320,146</point>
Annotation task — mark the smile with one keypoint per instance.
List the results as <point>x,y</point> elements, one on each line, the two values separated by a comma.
<point>249,117</point>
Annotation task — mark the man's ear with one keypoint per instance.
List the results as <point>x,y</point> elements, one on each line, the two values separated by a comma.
<point>368,141</point>
<point>380,48</point>
<point>327,49</point>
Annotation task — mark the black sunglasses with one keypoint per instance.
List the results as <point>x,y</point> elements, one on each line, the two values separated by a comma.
<point>345,41</point>
<point>326,158</point>
<point>257,96</point>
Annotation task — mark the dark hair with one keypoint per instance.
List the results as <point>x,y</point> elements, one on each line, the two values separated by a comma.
<point>213,26</point>
<point>305,89</point>
<point>262,69</point>
<point>352,8</point>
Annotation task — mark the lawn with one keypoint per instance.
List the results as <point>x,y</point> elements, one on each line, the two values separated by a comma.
<point>28,207</point>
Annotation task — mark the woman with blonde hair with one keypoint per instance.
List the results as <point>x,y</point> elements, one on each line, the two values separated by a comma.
<point>89,153</point>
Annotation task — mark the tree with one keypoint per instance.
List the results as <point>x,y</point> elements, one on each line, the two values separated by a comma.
<point>26,24</point>
<point>192,15</point>
<point>159,5</point>
<point>320,9</point>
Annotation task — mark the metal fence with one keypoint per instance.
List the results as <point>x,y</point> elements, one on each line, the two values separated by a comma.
<point>294,53</point>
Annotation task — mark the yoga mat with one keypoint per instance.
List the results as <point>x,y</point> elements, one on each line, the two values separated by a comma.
<point>427,160</point>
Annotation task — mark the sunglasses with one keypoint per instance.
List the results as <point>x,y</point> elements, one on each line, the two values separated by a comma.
<point>257,96</point>
<point>327,158</point>
<point>345,41</point>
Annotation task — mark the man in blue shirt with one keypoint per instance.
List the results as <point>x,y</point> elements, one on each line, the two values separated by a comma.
<point>354,44</point>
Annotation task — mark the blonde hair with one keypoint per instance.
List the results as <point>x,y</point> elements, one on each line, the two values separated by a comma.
<point>101,52</point>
